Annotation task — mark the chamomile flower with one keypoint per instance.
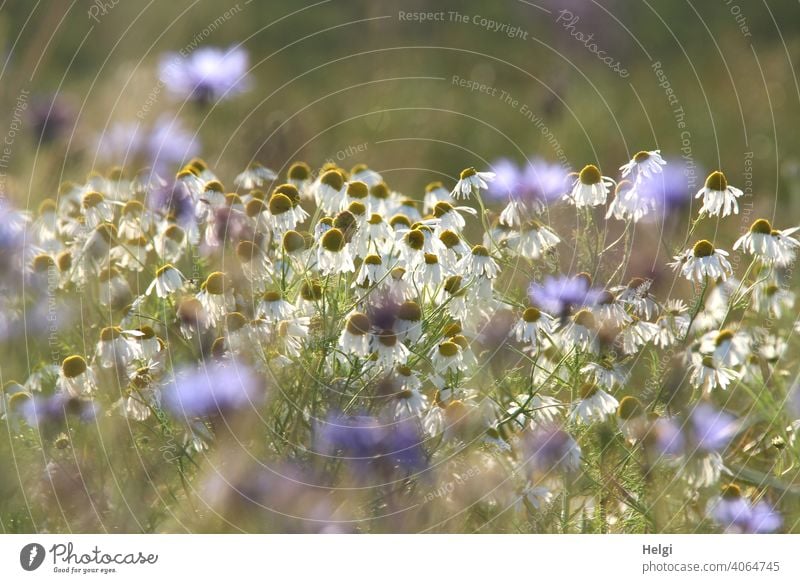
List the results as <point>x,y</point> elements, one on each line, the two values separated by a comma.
<point>637,334</point>
<point>730,348</point>
<point>76,379</point>
<point>632,418</point>
<point>168,280</point>
<point>435,192</point>
<point>606,374</point>
<point>719,198</point>
<point>408,323</point>
<point>630,203</point>
<point>590,188</point>
<point>593,406</point>
<point>216,297</point>
<point>389,349</point>
<point>274,307</point>
<point>581,332</point>
<point>447,357</point>
<point>703,261</point>
<point>471,181</point>
<point>772,298</point>
<point>299,174</point>
<point>769,245</point>
<point>255,176</point>
<point>608,310</point>
<point>673,324</point>
<point>637,295</point>
<point>363,173</point>
<point>479,263</point>
<point>533,327</point>
<point>644,163</point>
<point>371,272</point>
<point>450,218</point>
<point>114,348</point>
<point>355,337</point>
<point>534,240</point>
<point>708,374</point>
<point>333,254</point>
<point>329,191</point>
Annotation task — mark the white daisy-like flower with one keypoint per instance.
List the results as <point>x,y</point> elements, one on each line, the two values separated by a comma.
<point>605,374</point>
<point>594,405</point>
<point>719,196</point>
<point>728,347</point>
<point>148,345</point>
<point>636,335</point>
<point>216,297</point>
<point>590,188</point>
<point>114,348</point>
<point>702,469</point>
<point>771,246</point>
<point>363,173</point>
<point>371,272</point>
<point>479,263</point>
<point>581,332</point>
<point>706,374</point>
<point>167,281</point>
<point>333,254</point>
<point>629,203</point>
<point>637,295</point>
<point>75,378</point>
<point>280,215</point>
<point>532,327</point>
<point>449,216</point>
<point>255,176</point>
<point>610,311</point>
<point>410,403</point>
<point>513,213</point>
<point>408,324</point>
<point>447,357</point>
<point>646,164</point>
<point>534,240</point>
<point>355,338</point>
<point>428,275</point>
<point>96,209</point>
<point>435,192</point>
<point>672,324</point>
<point>329,192</point>
<point>274,307</point>
<point>299,174</point>
<point>389,349</point>
<point>632,418</point>
<point>471,181</point>
<point>703,261</point>
<point>170,244</point>
<point>772,298</point>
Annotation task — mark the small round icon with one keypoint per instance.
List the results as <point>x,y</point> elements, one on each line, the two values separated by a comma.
<point>31,556</point>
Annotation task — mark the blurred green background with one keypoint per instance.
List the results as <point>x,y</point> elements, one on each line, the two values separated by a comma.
<point>355,81</point>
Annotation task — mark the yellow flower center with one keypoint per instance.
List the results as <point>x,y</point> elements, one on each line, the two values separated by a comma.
<point>590,175</point>
<point>717,181</point>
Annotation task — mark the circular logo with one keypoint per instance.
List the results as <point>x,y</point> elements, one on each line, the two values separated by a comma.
<point>31,556</point>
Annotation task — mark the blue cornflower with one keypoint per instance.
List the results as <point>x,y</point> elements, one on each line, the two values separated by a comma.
<point>206,75</point>
<point>559,295</point>
<point>365,440</point>
<point>213,389</point>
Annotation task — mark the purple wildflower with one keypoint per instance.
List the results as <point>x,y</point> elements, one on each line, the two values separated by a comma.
<point>366,440</point>
<point>53,409</point>
<point>213,389</point>
<point>173,199</point>
<point>558,295</point>
<point>671,188</point>
<point>736,514</point>
<point>712,430</point>
<point>208,74</point>
<point>544,180</point>
<point>550,450</point>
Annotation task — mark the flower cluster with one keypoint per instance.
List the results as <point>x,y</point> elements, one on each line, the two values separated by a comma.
<point>370,340</point>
